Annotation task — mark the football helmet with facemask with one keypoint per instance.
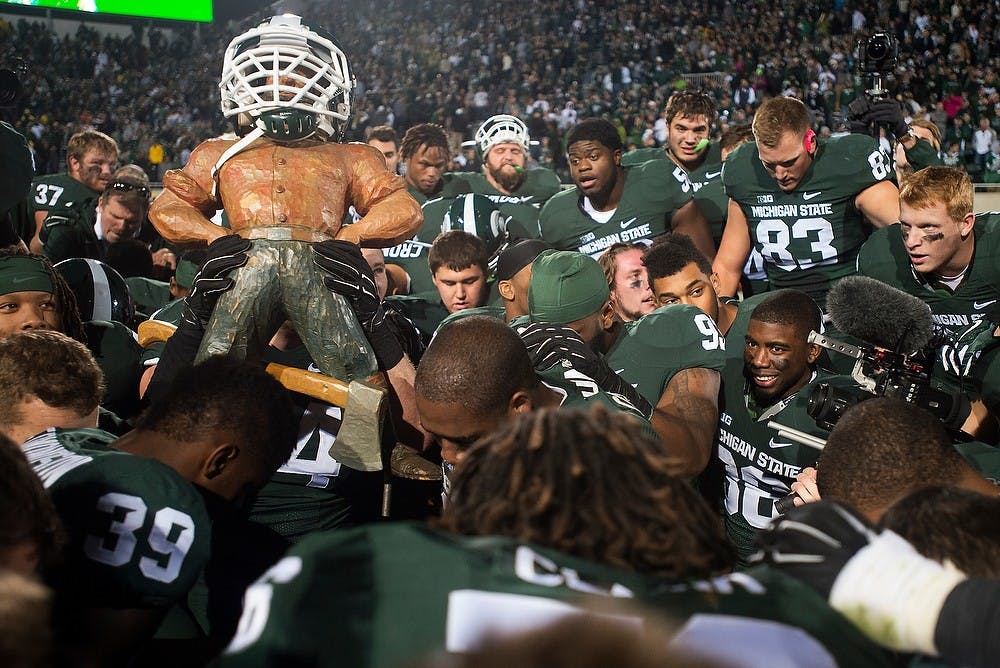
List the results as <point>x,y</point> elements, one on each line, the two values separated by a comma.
<point>288,80</point>
<point>501,129</point>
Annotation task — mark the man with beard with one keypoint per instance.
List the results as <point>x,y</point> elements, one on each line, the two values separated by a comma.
<point>613,203</point>
<point>519,192</point>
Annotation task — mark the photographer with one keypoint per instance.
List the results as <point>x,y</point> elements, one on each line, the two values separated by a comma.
<point>876,110</point>
<point>16,170</point>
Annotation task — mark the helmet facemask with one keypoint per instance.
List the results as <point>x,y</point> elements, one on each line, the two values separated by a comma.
<point>290,80</point>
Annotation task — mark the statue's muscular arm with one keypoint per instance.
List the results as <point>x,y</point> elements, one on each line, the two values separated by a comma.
<point>181,213</point>
<point>389,214</point>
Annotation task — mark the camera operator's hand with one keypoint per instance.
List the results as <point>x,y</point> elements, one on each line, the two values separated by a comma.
<point>347,273</point>
<point>866,116</point>
<point>223,256</point>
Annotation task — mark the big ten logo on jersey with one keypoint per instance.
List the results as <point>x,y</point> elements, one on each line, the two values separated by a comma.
<point>406,250</point>
<point>318,430</point>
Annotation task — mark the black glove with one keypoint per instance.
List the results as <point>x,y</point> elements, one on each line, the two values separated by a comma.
<point>550,344</point>
<point>223,255</point>
<point>813,542</point>
<point>866,116</point>
<point>347,273</point>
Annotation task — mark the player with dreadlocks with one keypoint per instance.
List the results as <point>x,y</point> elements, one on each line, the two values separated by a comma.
<point>425,154</point>
<point>610,521</point>
<point>660,527</point>
<point>34,296</point>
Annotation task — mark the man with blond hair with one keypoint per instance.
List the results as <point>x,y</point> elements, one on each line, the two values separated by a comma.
<point>801,201</point>
<point>940,251</point>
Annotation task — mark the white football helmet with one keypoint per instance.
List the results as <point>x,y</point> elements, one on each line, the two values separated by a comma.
<point>289,79</point>
<point>501,129</point>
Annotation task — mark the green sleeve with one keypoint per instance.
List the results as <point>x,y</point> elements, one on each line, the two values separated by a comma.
<point>921,155</point>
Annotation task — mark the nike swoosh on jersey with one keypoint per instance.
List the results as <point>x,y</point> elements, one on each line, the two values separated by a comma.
<point>778,444</point>
<point>809,196</point>
<point>979,305</point>
<point>711,175</point>
<point>626,223</point>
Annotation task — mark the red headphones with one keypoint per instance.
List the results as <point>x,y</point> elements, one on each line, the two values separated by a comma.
<point>809,141</point>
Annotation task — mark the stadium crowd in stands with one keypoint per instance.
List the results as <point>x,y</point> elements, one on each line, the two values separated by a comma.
<point>549,63</point>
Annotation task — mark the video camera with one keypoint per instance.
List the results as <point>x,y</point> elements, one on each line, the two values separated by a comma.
<point>883,373</point>
<point>877,56</point>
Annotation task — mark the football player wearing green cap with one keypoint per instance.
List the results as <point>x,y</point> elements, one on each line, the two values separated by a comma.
<point>504,143</point>
<point>672,356</point>
<point>613,203</point>
<point>801,202</point>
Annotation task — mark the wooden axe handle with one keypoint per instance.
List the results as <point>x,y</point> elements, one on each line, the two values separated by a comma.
<point>310,383</point>
<point>154,331</point>
<point>315,385</point>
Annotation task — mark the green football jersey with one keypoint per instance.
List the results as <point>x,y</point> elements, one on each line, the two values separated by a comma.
<point>139,533</point>
<point>54,190</point>
<point>411,254</point>
<point>811,236</point>
<point>761,465</point>
<point>653,191</point>
<point>385,595</point>
<point>884,257</point>
<point>581,391</point>
<point>520,207</point>
<point>658,345</point>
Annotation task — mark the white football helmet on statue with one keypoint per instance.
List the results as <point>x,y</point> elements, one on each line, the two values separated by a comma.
<point>287,79</point>
<point>500,129</point>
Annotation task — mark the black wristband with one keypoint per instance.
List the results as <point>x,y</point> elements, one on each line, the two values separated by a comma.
<point>968,628</point>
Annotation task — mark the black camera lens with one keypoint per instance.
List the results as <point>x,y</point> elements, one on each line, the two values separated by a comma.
<point>827,404</point>
<point>878,48</point>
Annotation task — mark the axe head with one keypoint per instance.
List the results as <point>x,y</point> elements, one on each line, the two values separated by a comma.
<point>358,443</point>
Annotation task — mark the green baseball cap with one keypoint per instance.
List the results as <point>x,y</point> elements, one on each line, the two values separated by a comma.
<point>565,286</point>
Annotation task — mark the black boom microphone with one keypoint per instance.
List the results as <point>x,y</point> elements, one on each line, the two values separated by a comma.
<point>878,313</point>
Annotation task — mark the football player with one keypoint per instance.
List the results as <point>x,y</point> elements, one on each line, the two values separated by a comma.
<point>690,115</point>
<point>91,159</point>
<point>504,145</point>
<point>940,252</point>
<point>612,203</point>
<point>630,294</point>
<point>801,202</point>
<point>425,154</point>
<point>457,408</point>
<point>138,510</point>
<point>672,356</point>
<point>555,510</point>
<point>459,266</point>
<point>384,138</point>
<point>772,380</point>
